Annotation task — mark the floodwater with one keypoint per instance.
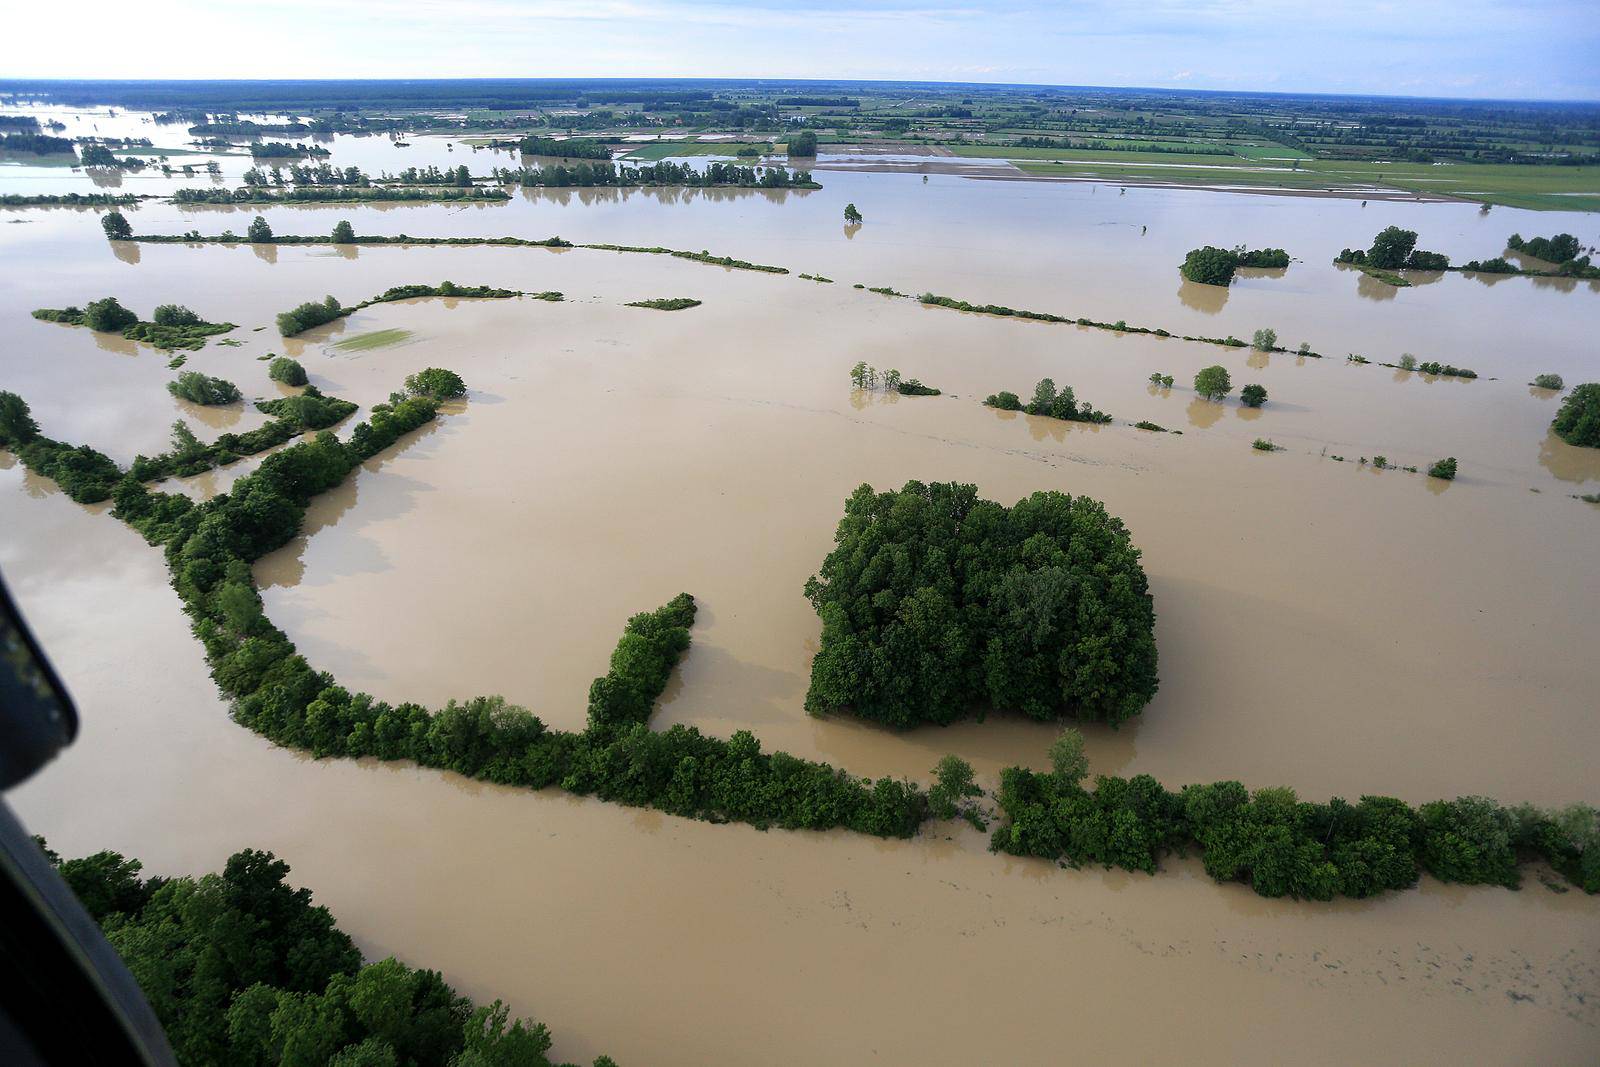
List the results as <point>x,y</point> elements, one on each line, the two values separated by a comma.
<point>1321,624</point>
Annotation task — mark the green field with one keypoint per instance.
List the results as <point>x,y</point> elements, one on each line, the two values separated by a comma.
<point>361,342</point>
<point>1535,187</point>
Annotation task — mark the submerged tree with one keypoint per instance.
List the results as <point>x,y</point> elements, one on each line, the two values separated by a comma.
<point>259,232</point>
<point>1213,382</point>
<point>852,217</point>
<point>116,226</point>
<point>343,233</point>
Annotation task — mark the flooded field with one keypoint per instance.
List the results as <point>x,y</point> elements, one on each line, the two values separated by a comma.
<point>1321,624</point>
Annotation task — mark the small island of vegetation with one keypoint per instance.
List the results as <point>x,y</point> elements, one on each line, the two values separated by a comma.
<point>171,327</point>
<point>932,606</point>
<point>666,303</point>
<point>1578,420</point>
<point>1215,266</point>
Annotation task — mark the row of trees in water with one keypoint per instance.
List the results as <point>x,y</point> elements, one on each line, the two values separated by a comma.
<point>665,172</point>
<point>1076,573</point>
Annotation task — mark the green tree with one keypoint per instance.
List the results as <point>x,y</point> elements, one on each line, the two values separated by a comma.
<point>852,217</point>
<point>343,233</point>
<point>116,226</point>
<point>1068,761</point>
<point>1044,397</point>
<point>107,315</point>
<point>1265,340</point>
<point>1578,420</point>
<point>1391,248</point>
<point>1213,382</point>
<point>1210,265</point>
<point>436,383</point>
<point>803,143</point>
<point>175,315</point>
<point>259,232</point>
<point>1445,468</point>
<point>1253,396</point>
<point>953,784</point>
<point>16,420</point>
<point>286,370</point>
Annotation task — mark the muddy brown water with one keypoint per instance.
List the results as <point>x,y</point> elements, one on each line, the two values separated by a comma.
<point>1321,624</point>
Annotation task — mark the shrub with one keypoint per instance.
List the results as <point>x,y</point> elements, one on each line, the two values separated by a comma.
<point>308,315</point>
<point>108,316</point>
<point>1578,421</point>
<point>1445,468</point>
<point>1548,381</point>
<point>1420,260</point>
<point>200,389</point>
<point>913,387</point>
<point>1005,401</point>
<point>934,601</point>
<point>175,315</point>
<point>436,383</point>
<point>1213,382</point>
<point>286,370</point>
<point>1253,396</point>
<point>1265,340</point>
<point>1261,444</point>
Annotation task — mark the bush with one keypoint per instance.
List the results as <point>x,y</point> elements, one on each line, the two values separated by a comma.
<point>108,316</point>
<point>1213,382</point>
<point>1548,381</point>
<point>115,223</point>
<point>1578,421</point>
<point>436,383</point>
<point>1005,401</point>
<point>913,387</point>
<point>934,601</point>
<point>200,389</point>
<point>1265,340</point>
<point>286,370</point>
<point>175,315</point>
<point>309,315</point>
<point>1445,468</point>
<point>1261,444</point>
<point>1420,260</point>
<point>1253,396</point>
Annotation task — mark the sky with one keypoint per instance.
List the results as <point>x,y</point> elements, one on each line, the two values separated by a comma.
<point>1518,49</point>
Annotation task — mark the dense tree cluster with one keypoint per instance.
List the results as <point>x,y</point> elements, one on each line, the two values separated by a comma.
<point>1283,846</point>
<point>35,144</point>
<point>1211,265</point>
<point>242,968</point>
<point>292,416</point>
<point>1394,249</point>
<point>934,603</point>
<point>803,143</point>
<point>1578,421</point>
<point>436,383</point>
<point>1558,249</point>
<point>285,150</point>
<point>666,303</point>
<point>1444,469</point>
<point>572,148</point>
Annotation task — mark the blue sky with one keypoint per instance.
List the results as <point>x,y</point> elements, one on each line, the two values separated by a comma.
<point>1466,48</point>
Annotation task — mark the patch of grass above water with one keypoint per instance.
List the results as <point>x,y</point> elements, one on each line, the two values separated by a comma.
<point>666,303</point>
<point>361,342</point>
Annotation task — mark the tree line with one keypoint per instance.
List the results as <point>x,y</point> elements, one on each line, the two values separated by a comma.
<point>665,172</point>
